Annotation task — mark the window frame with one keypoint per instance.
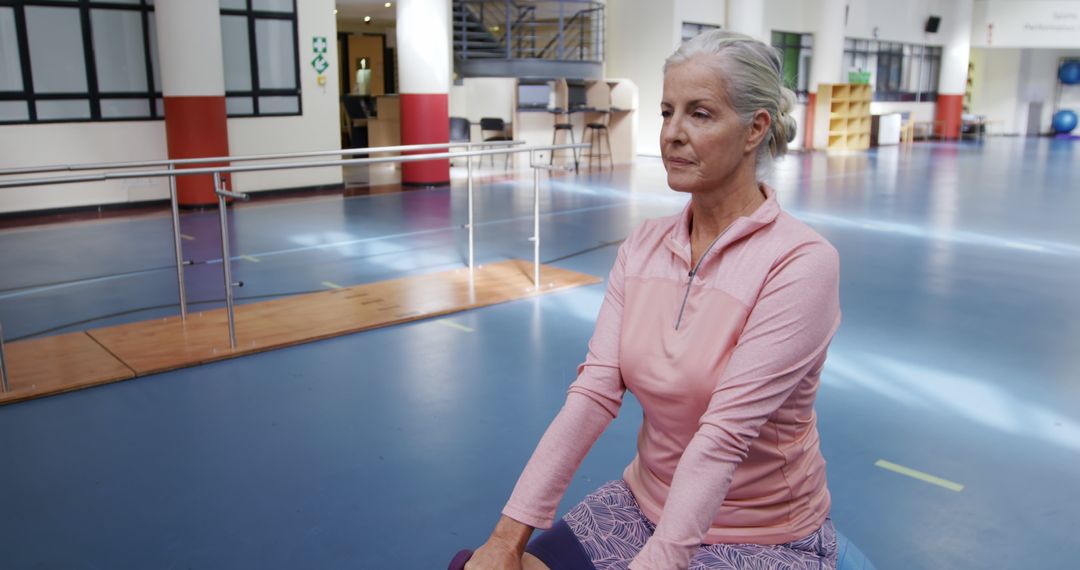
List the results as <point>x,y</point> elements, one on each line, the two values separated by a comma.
<point>153,94</point>
<point>803,46</point>
<point>918,63</point>
<point>256,92</point>
<point>92,95</point>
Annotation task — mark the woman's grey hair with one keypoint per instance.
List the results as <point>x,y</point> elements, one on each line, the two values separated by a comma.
<point>751,72</point>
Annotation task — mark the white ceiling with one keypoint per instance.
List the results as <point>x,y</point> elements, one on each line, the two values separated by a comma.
<point>357,9</point>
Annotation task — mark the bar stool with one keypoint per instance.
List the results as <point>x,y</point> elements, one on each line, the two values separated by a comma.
<point>555,133</point>
<point>591,137</point>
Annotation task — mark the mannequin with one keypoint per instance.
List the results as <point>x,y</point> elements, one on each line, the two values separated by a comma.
<point>363,78</point>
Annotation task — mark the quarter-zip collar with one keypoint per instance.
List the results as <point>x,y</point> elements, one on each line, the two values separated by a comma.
<point>679,235</point>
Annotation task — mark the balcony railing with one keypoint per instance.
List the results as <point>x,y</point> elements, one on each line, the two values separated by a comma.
<point>553,30</point>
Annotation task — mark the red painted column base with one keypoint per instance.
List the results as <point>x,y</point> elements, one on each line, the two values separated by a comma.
<point>425,119</point>
<point>196,127</point>
<point>949,111</point>
<point>808,124</point>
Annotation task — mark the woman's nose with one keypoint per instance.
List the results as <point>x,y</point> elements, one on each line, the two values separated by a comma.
<point>672,131</point>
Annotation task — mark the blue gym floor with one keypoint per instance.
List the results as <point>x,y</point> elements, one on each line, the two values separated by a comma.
<point>396,447</point>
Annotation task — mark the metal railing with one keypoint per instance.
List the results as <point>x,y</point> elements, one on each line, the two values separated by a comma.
<point>506,147</point>
<point>172,164</point>
<point>562,30</point>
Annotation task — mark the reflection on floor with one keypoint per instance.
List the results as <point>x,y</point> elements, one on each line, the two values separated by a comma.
<point>393,448</point>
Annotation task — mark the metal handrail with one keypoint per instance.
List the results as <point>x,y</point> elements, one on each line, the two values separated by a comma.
<point>222,193</point>
<point>246,157</point>
<point>24,182</point>
<point>173,163</point>
<point>563,35</point>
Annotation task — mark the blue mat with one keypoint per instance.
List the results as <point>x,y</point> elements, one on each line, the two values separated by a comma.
<point>849,556</point>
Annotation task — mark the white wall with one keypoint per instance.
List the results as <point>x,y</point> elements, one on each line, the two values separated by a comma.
<point>1007,81</point>
<point>1026,24</point>
<point>76,143</point>
<point>899,21</point>
<point>787,16</point>
<point>69,143</point>
<point>317,129</point>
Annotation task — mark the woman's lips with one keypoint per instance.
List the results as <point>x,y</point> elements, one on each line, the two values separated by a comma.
<point>679,162</point>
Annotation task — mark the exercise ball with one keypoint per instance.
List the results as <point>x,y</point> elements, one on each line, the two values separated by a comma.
<point>1064,121</point>
<point>1069,72</point>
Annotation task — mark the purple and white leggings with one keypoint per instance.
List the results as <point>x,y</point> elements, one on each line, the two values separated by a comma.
<point>606,530</point>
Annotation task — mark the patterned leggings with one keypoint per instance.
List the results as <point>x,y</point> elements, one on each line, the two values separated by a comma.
<point>610,530</point>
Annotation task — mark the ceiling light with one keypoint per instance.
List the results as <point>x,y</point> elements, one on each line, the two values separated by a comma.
<point>388,4</point>
<point>335,11</point>
<point>367,18</point>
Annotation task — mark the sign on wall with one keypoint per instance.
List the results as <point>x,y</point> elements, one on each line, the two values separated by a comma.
<point>1027,24</point>
<point>319,45</point>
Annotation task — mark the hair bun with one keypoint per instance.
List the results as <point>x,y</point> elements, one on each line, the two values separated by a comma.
<point>790,125</point>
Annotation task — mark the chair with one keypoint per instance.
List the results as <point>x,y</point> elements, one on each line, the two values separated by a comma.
<point>358,109</point>
<point>460,130</point>
<point>907,128</point>
<point>558,127</point>
<point>591,137</point>
<point>497,126</point>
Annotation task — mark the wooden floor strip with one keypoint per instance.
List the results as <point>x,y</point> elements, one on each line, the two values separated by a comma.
<point>58,364</point>
<point>69,362</point>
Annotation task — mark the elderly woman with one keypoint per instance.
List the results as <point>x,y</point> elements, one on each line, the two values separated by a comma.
<point>718,320</point>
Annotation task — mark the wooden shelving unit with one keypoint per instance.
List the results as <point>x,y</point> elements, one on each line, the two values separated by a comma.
<point>842,116</point>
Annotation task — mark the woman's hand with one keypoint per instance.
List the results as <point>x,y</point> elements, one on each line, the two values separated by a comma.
<point>494,557</point>
<point>504,548</point>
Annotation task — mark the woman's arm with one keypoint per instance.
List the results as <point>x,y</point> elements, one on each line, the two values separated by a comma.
<point>786,335</point>
<point>592,402</point>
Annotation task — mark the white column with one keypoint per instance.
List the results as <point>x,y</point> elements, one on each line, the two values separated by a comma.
<point>828,56</point>
<point>193,84</point>
<point>423,42</point>
<point>956,50</point>
<point>189,47</point>
<point>748,17</point>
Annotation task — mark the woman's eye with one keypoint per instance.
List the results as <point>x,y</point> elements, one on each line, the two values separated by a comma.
<point>701,115</point>
<point>665,114</point>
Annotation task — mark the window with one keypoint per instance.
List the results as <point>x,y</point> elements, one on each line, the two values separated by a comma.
<point>898,71</point>
<point>691,30</point>
<point>795,60</point>
<point>96,60</point>
<point>77,61</point>
<point>259,47</point>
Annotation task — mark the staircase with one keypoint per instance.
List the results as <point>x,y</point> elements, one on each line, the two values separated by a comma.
<point>539,38</point>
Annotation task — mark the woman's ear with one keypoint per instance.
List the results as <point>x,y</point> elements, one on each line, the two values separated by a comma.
<point>757,129</point>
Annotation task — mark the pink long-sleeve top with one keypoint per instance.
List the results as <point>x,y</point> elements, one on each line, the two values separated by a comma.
<point>725,362</point>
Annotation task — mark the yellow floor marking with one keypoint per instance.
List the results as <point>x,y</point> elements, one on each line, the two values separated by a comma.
<point>331,285</point>
<point>250,258</point>
<point>454,325</point>
<point>925,477</point>
<point>187,237</point>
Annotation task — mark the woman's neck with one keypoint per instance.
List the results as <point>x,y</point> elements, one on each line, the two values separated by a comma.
<point>712,212</point>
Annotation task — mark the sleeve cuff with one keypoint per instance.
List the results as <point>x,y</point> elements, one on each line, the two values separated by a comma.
<point>531,519</point>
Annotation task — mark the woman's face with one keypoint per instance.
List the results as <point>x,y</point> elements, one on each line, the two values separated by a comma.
<point>703,142</point>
